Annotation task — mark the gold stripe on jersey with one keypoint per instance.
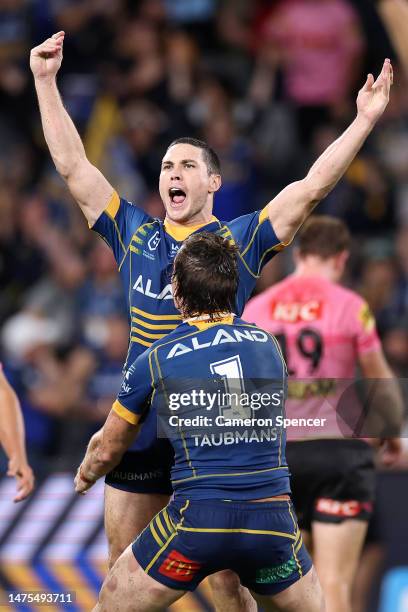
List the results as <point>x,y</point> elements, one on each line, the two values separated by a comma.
<point>147,334</point>
<point>173,535</point>
<point>147,315</point>
<point>155,534</point>
<point>113,205</point>
<point>161,527</point>
<point>154,326</point>
<point>170,526</point>
<point>227,234</point>
<point>133,249</point>
<point>165,392</point>
<point>126,414</point>
<point>141,326</point>
<point>139,341</point>
<point>280,534</point>
<point>111,210</point>
<point>282,467</point>
<point>296,530</point>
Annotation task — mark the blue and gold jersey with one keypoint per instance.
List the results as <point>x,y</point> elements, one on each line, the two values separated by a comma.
<point>144,250</point>
<point>225,448</point>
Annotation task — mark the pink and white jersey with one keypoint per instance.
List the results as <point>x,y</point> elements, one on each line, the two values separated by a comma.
<point>323,328</point>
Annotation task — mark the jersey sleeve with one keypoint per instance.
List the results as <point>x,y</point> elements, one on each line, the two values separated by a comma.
<point>365,331</point>
<point>136,390</point>
<point>255,238</point>
<point>117,224</point>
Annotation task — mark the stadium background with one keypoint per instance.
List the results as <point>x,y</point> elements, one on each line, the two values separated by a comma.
<point>136,75</point>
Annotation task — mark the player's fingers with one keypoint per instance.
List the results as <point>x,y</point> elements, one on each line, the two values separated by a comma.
<point>385,76</point>
<point>58,35</point>
<point>48,46</point>
<point>23,491</point>
<point>369,83</point>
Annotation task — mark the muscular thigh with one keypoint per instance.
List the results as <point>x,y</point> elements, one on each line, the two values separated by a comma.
<point>337,548</point>
<point>126,515</point>
<point>127,588</point>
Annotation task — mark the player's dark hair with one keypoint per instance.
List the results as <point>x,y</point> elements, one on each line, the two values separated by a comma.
<point>210,157</point>
<point>206,275</point>
<point>323,236</point>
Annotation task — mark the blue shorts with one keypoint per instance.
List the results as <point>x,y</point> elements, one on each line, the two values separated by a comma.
<point>191,539</point>
<point>144,471</point>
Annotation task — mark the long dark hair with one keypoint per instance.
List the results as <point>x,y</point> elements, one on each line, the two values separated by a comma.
<point>205,275</point>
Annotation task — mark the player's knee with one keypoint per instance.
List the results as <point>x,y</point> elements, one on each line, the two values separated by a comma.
<point>226,581</point>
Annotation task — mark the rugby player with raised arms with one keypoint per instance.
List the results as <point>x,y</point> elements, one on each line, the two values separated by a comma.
<point>144,249</point>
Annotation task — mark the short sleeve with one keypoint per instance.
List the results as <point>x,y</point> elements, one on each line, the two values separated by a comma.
<point>136,390</point>
<point>365,331</point>
<point>255,238</point>
<point>117,224</point>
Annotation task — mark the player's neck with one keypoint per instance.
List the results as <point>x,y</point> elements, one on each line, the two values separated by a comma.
<point>317,268</point>
<point>216,316</point>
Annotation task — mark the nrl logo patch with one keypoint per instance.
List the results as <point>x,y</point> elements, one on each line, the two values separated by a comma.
<point>153,242</point>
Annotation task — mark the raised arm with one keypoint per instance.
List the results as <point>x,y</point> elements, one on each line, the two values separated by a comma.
<point>12,438</point>
<point>86,183</point>
<point>288,210</point>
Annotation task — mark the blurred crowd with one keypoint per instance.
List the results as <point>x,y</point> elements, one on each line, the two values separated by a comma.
<point>269,84</point>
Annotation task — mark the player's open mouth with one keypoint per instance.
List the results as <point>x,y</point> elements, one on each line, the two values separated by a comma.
<point>177,195</point>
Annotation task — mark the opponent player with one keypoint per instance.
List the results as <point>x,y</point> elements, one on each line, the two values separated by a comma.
<point>231,507</point>
<point>325,331</point>
<point>144,248</point>
<point>12,439</point>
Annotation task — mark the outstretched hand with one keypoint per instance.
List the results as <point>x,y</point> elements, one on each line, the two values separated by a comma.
<point>373,97</point>
<point>45,60</point>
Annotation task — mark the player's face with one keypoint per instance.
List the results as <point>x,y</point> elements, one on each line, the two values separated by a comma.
<point>186,188</point>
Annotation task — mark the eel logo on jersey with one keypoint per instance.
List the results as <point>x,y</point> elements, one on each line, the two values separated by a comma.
<point>178,567</point>
<point>294,312</point>
<point>146,289</point>
<point>153,242</point>
<point>222,336</point>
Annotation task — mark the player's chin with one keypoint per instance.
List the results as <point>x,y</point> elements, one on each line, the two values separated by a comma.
<point>178,212</point>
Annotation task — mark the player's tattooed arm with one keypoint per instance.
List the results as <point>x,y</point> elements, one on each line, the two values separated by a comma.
<point>105,450</point>
<point>289,209</point>
<point>85,182</point>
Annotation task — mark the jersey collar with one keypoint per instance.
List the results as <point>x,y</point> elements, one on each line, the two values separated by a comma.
<point>204,321</point>
<point>181,232</point>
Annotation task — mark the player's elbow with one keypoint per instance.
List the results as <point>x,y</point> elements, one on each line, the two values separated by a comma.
<point>314,189</point>
<point>69,166</point>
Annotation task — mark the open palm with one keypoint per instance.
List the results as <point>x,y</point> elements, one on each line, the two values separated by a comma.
<point>373,97</point>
